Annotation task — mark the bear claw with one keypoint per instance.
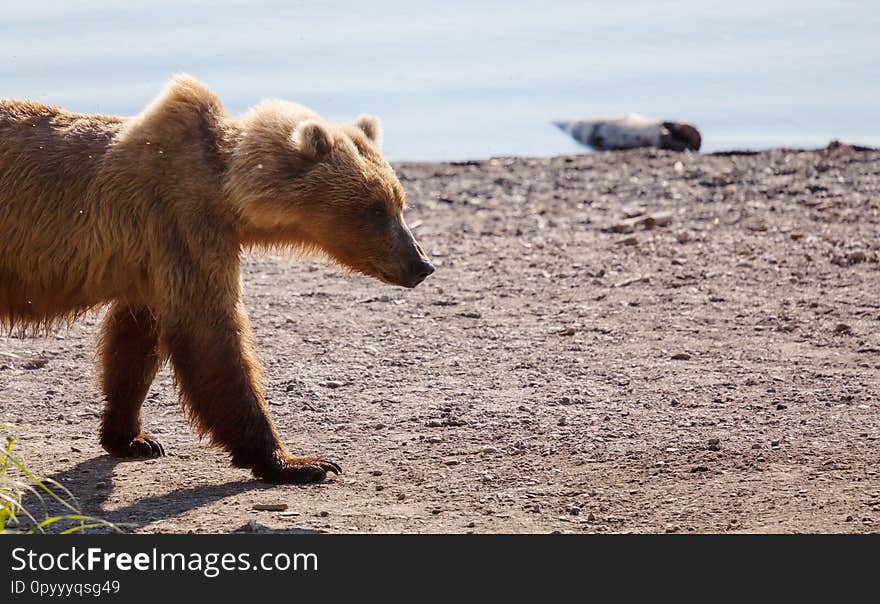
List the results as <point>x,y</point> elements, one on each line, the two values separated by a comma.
<point>143,446</point>
<point>298,471</point>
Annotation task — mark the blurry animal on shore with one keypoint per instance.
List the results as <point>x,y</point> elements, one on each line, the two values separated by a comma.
<point>632,131</point>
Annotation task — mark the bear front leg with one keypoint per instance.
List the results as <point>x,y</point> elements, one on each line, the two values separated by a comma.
<point>220,378</point>
<point>128,361</point>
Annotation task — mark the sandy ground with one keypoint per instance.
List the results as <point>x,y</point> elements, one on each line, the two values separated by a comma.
<point>640,341</point>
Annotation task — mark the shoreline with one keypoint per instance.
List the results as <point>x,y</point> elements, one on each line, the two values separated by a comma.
<point>718,153</point>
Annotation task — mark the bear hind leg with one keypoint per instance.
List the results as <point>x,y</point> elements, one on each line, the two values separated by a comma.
<point>129,359</point>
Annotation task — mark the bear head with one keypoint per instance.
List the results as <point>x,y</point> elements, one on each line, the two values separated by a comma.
<point>299,180</point>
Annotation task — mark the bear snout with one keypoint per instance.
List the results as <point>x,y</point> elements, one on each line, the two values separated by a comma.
<point>419,270</point>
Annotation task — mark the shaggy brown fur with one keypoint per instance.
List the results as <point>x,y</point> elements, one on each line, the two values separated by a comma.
<point>150,214</point>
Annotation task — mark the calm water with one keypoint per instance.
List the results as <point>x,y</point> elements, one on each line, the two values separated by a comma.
<point>454,80</point>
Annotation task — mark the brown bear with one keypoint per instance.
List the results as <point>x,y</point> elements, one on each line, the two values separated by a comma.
<point>150,214</point>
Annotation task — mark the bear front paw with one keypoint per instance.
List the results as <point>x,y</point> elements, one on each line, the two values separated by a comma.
<point>297,470</point>
<point>143,445</point>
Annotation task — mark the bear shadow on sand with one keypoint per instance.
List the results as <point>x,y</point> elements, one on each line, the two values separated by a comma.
<point>91,483</point>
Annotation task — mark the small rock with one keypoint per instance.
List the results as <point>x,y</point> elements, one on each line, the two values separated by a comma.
<point>270,507</point>
<point>714,444</point>
<point>681,356</point>
<point>252,526</point>
<point>401,496</point>
<point>324,513</point>
<point>661,219</point>
<point>436,511</point>
<point>591,517</point>
<point>774,443</point>
<point>332,384</point>
<point>842,328</point>
<point>781,406</point>
<point>756,446</point>
<point>376,472</point>
<point>568,331</point>
<point>471,524</point>
<point>856,257</point>
<point>623,227</point>
<point>562,421</point>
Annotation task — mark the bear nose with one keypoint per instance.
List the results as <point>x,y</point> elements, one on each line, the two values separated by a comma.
<point>420,271</point>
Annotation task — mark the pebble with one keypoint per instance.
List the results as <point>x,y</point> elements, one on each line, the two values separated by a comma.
<point>591,517</point>
<point>714,444</point>
<point>857,256</point>
<point>332,384</point>
<point>781,406</point>
<point>324,513</point>
<point>681,356</point>
<point>842,328</point>
<point>270,507</point>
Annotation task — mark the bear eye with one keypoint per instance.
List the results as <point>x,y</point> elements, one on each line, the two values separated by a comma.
<point>376,211</point>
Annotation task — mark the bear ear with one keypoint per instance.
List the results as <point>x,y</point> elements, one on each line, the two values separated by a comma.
<point>370,126</point>
<point>312,139</point>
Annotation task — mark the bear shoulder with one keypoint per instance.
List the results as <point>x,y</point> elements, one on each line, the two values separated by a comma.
<point>185,107</point>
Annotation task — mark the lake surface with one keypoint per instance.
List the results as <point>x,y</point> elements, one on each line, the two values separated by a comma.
<point>459,80</point>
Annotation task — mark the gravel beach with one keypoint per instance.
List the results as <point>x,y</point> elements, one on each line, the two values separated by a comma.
<point>638,341</point>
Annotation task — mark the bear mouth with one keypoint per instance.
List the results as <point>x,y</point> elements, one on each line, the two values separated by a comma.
<point>383,276</point>
<point>387,277</point>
